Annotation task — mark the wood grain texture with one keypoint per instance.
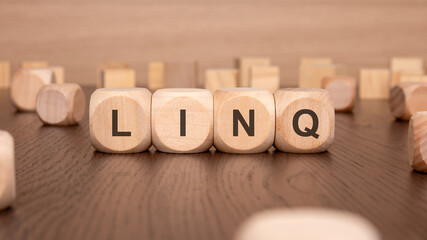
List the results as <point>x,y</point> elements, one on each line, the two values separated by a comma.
<point>67,190</point>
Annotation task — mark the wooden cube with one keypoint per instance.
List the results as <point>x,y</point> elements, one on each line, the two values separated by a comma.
<point>204,65</point>
<point>34,64</point>
<point>343,92</point>
<point>182,120</point>
<point>220,78</point>
<point>7,170</point>
<point>61,104</point>
<point>413,78</point>
<point>311,75</point>
<point>59,74</point>
<point>405,66</point>
<point>109,65</point>
<point>306,224</point>
<point>245,64</point>
<point>118,78</point>
<point>408,98</point>
<point>4,74</point>
<point>374,83</point>
<point>26,84</point>
<point>305,120</point>
<point>417,142</point>
<point>265,77</point>
<point>156,72</point>
<point>243,120</point>
<point>120,120</point>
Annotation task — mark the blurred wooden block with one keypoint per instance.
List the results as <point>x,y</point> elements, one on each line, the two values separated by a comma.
<point>4,74</point>
<point>109,65</point>
<point>7,170</point>
<point>26,84</point>
<point>203,65</point>
<point>156,73</point>
<point>405,66</point>
<point>417,142</point>
<point>306,224</point>
<point>374,83</point>
<point>243,120</point>
<point>34,64</point>
<point>311,75</point>
<point>413,78</point>
<point>118,78</point>
<point>61,104</point>
<point>315,60</point>
<point>305,120</point>
<point>408,98</point>
<point>59,74</point>
<point>120,120</point>
<point>182,120</point>
<point>265,77</point>
<point>342,90</point>
<point>220,78</point>
<point>245,64</point>
<point>171,75</point>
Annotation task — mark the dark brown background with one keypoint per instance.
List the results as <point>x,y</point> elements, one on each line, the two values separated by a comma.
<point>80,34</point>
<point>67,190</point>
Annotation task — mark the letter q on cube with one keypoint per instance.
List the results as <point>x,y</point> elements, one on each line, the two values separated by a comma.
<point>305,120</point>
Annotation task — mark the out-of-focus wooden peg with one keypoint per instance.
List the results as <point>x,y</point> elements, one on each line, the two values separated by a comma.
<point>305,120</point>
<point>413,78</point>
<point>109,65</point>
<point>118,78</point>
<point>182,120</point>
<point>265,77</point>
<point>374,83</point>
<point>245,63</point>
<point>407,99</point>
<point>343,92</point>
<point>120,120</point>
<point>156,71</point>
<point>59,74</point>
<point>26,84</point>
<point>243,120</point>
<point>311,75</point>
<point>417,142</point>
<point>405,66</point>
<point>306,224</point>
<point>220,78</point>
<point>315,60</point>
<point>61,104</point>
<point>204,65</point>
<point>7,170</point>
<point>4,74</point>
<point>34,64</point>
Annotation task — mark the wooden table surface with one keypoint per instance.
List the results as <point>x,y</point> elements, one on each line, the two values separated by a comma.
<point>67,190</point>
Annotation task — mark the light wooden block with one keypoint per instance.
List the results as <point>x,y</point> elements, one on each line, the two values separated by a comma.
<point>408,98</point>
<point>203,65</point>
<point>61,104</point>
<point>343,92</point>
<point>120,120</point>
<point>26,84</point>
<point>4,74</point>
<point>243,120</point>
<point>245,64</point>
<point>34,64</point>
<point>59,73</point>
<point>311,75</point>
<point>109,65</point>
<point>417,142</point>
<point>405,66</point>
<point>315,60</point>
<point>413,78</point>
<point>118,78</point>
<point>156,72</point>
<point>265,77</point>
<point>7,170</point>
<point>305,120</point>
<point>306,224</point>
<point>220,78</point>
<point>374,83</point>
<point>182,120</point>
